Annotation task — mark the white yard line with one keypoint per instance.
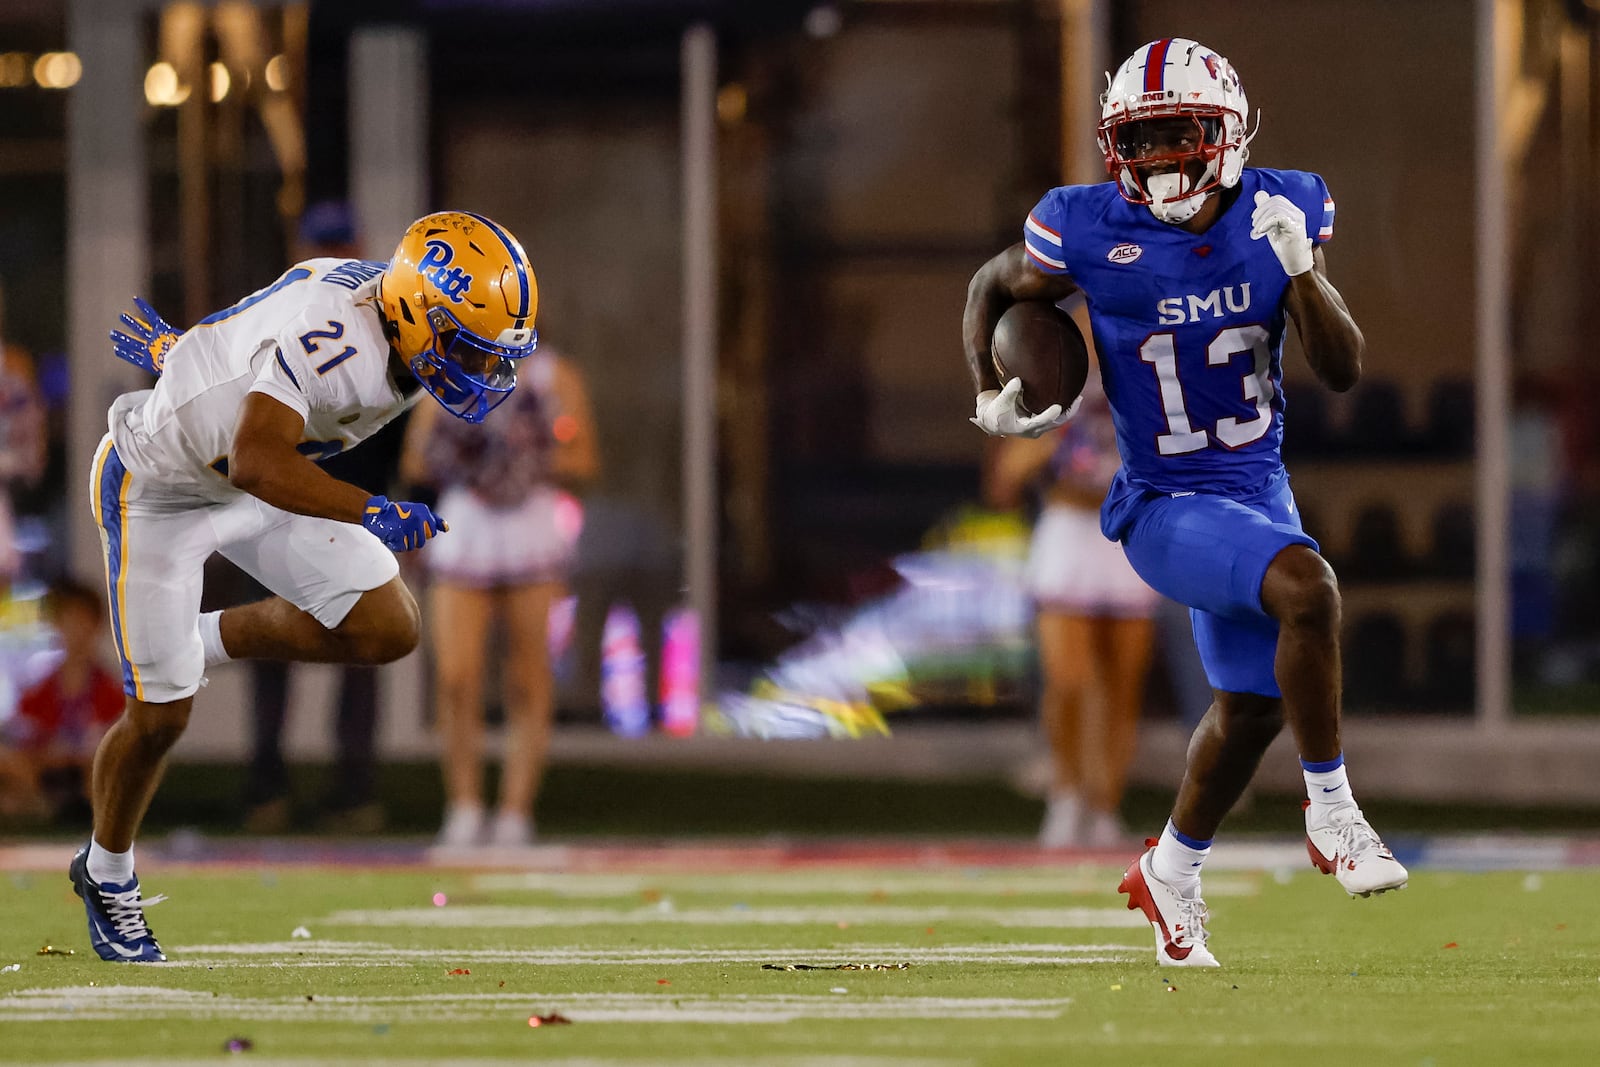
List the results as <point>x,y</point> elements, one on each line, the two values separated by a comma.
<point>986,882</point>
<point>492,917</point>
<point>700,1059</point>
<point>78,1003</point>
<point>280,954</point>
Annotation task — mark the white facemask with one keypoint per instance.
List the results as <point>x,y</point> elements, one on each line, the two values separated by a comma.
<point>1165,191</point>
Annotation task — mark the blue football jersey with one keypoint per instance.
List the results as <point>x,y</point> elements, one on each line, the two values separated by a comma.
<point>1189,328</point>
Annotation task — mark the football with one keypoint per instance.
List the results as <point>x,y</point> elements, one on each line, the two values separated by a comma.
<point>1041,344</point>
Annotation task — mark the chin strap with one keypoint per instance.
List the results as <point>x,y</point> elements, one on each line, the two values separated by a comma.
<point>1244,145</point>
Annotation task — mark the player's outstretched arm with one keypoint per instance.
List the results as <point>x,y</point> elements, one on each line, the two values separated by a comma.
<point>266,463</point>
<point>999,283</point>
<point>1328,334</point>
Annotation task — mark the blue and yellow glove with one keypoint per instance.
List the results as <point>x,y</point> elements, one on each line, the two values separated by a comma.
<point>151,340</point>
<point>402,525</point>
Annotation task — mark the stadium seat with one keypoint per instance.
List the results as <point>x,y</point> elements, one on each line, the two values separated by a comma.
<point>1377,419</point>
<point>1375,661</point>
<point>1455,540</point>
<point>1374,552</point>
<point>1451,655</point>
<point>1451,417</point>
<point>1306,431</point>
<point>1312,521</point>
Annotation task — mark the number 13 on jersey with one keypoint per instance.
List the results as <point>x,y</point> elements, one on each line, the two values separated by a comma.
<point>1160,350</point>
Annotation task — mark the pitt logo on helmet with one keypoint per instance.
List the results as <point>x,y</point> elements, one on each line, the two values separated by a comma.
<point>458,302</point>
<point>452,283</point>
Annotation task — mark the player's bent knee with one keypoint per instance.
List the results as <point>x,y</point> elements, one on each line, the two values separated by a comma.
<point>1249,717</point>
<point>1301,590</point>
<point>158,726</point>
<point>384,626</point>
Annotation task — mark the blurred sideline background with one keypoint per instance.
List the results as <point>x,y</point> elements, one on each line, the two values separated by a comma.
<point>753,225</point>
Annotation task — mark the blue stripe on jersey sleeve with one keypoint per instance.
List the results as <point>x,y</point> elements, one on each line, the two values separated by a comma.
<point>286,370</point>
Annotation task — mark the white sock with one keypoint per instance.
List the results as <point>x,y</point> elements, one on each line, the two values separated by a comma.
<point>1065,804</point>
<point>211,638</point>
<point>1327,786</point>
<point>1177,859</point>
<point>105,867</point>
<point>1063,820</point>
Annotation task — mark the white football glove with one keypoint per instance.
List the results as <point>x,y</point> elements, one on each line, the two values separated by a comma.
<point>1284,226</point>
<point>998,415</point>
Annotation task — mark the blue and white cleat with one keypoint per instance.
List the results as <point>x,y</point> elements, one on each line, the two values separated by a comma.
<point>117,929</point>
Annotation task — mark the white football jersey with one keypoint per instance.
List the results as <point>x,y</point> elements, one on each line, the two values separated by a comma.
<point>311,340</point>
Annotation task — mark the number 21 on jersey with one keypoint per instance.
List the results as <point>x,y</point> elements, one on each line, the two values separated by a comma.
<point>312,340</point>
<point>1161,351</point>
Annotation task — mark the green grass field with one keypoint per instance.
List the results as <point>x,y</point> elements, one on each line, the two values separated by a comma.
<point>1007,965</point>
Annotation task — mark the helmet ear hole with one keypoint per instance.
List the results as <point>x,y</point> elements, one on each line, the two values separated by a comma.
<point>405,310</point>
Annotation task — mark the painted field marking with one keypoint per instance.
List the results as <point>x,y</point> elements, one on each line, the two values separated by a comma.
<point>328,953</point>
<point>78,1003</point>
<point>496,917</point>
<point>1048,882</point>
<point>345,1060</point>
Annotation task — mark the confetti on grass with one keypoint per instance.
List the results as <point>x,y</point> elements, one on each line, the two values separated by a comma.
<point>836,966</point>
<point>238,1044</point>
<point>51,950</point>
<point>555,1018</point>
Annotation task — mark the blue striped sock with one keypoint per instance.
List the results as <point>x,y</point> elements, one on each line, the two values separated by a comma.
<point>1177,859</point>
<point>1327,784</point>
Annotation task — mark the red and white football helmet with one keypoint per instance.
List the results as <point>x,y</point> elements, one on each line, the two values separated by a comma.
<point>1153,159</point>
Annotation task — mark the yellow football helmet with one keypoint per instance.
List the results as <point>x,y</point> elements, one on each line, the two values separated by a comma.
<point>459,299</point>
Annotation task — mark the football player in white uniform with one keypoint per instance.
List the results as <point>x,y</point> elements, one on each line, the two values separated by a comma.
<point>221,457</point>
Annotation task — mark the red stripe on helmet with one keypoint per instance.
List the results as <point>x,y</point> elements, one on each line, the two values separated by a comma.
<point>1155,65</point>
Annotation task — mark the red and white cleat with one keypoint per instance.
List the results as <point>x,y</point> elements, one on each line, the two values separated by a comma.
<point>1179,921</point>
<point>1342,843</point>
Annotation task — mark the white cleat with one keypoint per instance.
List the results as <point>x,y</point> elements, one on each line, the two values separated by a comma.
<point>1342,843</point>
<point>1179,921</point>
<point>463,828</point>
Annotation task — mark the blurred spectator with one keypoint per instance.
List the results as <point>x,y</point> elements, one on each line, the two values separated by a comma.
<point>505,487</point>
<point>22,447</point>
<point>1191,689</point>
<point>327,229</point>
<point>1094,622</point>
<point>47,746</point>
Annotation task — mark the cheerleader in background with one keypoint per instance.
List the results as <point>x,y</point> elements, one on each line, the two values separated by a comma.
<point>1094,622</point>
<point>506,486</point>
<point>22,448</point>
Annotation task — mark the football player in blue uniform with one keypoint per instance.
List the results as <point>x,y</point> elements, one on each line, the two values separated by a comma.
<point>1192,265</point>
